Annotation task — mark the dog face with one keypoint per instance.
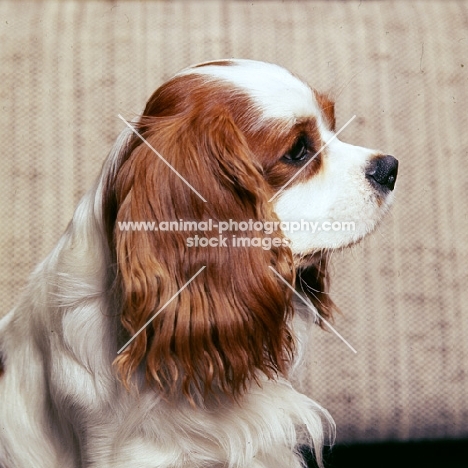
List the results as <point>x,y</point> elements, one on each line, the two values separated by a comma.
<point>343,190</point>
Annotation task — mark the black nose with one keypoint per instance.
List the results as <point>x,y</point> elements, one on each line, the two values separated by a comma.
<point>382,172</point>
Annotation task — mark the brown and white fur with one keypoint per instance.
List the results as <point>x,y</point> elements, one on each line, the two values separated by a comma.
<point>206,383</point>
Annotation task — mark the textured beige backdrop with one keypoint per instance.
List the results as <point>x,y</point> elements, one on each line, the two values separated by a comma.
<point>68,68</point>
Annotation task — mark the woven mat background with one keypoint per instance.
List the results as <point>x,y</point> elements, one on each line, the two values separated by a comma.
<point>68,68</point>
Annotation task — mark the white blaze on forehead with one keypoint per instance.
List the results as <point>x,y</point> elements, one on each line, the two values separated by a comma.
<point>277,92</point>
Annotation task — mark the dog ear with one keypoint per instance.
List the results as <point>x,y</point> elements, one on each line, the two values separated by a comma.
<point>229,325</point>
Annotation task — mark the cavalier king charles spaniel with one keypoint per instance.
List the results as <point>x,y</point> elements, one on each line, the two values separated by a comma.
<point>142,343</point>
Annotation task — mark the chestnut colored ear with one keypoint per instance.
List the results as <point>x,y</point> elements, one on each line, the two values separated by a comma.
<point>328,109</point>
<point>229,324</point>
<point>312,281</point>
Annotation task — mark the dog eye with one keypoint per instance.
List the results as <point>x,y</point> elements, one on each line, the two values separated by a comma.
<point>298,152</point>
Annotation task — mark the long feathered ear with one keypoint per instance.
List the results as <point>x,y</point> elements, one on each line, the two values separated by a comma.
<point>229,325</point>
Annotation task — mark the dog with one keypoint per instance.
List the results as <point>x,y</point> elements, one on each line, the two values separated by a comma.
<point>136,345</point>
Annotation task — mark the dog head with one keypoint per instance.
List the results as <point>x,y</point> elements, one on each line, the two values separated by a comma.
<point>250,147</point>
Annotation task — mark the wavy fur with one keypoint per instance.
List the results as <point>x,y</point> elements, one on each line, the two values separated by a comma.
<point>205,383</point>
